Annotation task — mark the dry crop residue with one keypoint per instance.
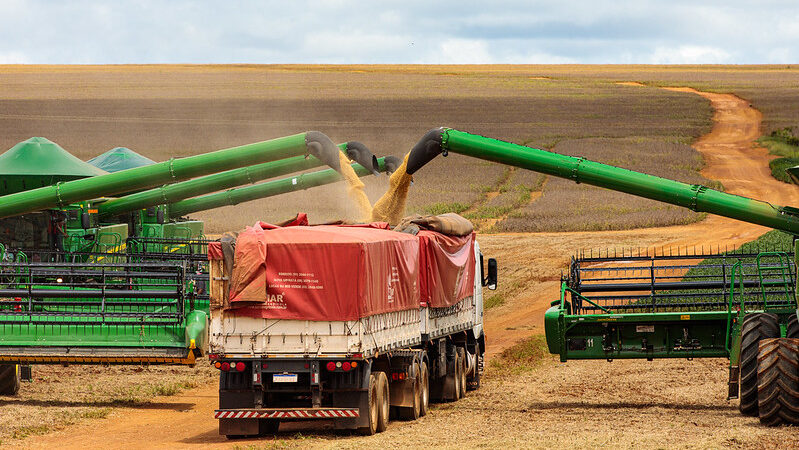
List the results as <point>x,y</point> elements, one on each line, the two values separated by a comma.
<point>579,404</point>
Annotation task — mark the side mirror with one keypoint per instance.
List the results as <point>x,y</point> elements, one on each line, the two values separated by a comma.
<point>85,221</point>
<point>491,279</point>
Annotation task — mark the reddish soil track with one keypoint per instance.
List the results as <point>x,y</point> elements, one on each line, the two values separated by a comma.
<point>534,261</point>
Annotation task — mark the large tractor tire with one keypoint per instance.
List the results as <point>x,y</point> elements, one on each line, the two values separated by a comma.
<point>778,381</point>
<point>372,412</point>
<point>756,327</point>
<point>9,379</point>
<point>792,330</point>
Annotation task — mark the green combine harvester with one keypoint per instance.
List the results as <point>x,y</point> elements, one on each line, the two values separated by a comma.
<point>740,306</point>
<point>80,284</point>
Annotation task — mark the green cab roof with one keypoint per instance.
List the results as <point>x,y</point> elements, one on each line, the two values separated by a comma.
<point>38,156</point>
<point>120,158</point>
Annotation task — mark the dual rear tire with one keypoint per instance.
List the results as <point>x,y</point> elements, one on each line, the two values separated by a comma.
<point>414,411</point>
<point>778,381</point>
<point>769,370</point>
<point>755,328</point>
<point>377,411</point>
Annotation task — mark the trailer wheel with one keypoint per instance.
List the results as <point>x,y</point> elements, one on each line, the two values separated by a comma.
<point>9,379</point>
<point>792,330</point>
<point>462,355</point>
<point>372,412</point>
<point>458,375</point>
<point>778,381</point>
<point>424,406</point>
<point>474,382</point>
<point>413,412</point>
<point>383,401</point>
<point>756,326</point>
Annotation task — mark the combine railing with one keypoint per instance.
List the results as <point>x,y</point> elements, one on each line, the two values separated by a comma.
<point>678,282</point>
<point>91,295</point>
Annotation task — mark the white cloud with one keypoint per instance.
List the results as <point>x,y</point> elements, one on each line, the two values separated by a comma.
<point>13,58</point>
<point>462,51</point>
<point>689,54</point>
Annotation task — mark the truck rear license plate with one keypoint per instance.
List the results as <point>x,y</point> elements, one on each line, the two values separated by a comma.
<point>284,378</point>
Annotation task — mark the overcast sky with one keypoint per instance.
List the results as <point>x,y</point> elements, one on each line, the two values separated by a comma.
<point>195,31</point>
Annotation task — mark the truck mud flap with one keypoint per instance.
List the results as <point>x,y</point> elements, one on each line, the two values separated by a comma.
<point>288,413</point>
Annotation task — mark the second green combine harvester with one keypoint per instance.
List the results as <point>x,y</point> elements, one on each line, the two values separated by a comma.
<point>69,290</point>
<point>753,323</point>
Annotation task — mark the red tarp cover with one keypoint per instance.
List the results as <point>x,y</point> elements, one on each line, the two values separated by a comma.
<point>214,250</point>
<point>324,272</point>
<point>447,268</point>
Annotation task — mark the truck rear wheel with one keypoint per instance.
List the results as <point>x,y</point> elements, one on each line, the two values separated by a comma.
<point>424,406</point>
<point>778,381</point>
<point>756,326</point>
<point>9,379</point>
<point>383,401</point>
<point>371,412</point>
<point>464,385</point>
<point>413,412</point>
<point>460,373</point>
<point>474,382</point>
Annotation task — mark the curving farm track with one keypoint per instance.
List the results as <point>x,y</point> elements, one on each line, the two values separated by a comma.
<point>579,404</point>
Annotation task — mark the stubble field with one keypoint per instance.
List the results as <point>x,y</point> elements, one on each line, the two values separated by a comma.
<point>166,111</point>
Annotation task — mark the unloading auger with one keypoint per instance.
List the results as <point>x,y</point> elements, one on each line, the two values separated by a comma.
<point>275,187</point>
<point>745,310</point>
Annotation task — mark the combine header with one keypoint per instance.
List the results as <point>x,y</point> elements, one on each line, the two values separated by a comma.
<point>740,306</point>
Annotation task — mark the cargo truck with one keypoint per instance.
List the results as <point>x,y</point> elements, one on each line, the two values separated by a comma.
<point>350,323</point>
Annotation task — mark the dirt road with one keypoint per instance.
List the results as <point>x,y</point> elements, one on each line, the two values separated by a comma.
<point>626,403</point>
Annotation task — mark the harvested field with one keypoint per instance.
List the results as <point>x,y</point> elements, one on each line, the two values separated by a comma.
<point>164,111</point>
<point>61,396</point>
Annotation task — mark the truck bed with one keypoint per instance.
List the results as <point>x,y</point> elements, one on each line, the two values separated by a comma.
<point>242,335</point>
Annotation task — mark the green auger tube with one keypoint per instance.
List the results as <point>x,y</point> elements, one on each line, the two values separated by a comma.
<point>695,197</point>
<point>271,188</point>
<point>175,192</point>
<point>62,194</point>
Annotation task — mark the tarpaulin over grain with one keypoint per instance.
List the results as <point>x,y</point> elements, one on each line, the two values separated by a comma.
<point>324,272</point>
<point>447,268</point>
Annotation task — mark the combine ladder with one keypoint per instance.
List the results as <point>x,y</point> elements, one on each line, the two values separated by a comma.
<point>777,274</point>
